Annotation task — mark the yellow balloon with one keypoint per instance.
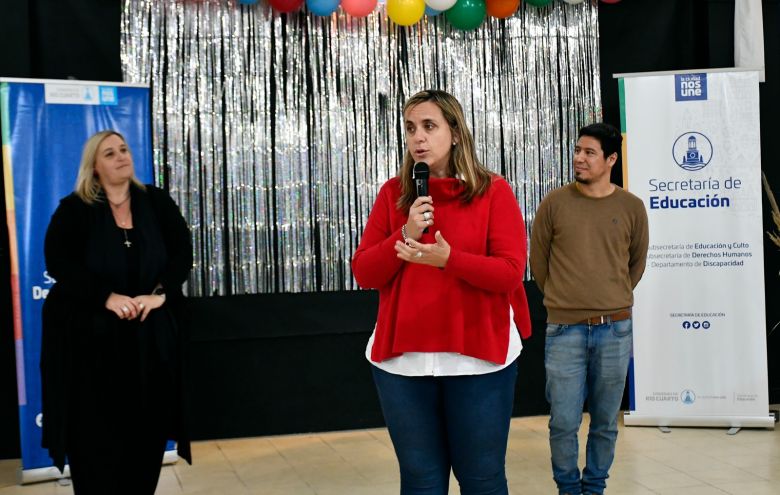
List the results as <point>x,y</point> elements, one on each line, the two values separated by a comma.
<point>405,12</point>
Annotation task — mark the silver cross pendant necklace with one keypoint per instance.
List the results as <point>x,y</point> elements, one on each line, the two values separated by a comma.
<point>122,224</point>
<point>127,242</point>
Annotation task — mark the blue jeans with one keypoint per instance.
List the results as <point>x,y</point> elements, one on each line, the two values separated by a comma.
<point>585,361</point>
<point>457,422</point>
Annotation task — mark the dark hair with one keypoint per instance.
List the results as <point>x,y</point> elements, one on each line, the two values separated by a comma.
<point>609,137</point>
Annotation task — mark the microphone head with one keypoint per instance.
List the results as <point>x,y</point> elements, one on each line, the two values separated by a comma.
<point>420,170</point>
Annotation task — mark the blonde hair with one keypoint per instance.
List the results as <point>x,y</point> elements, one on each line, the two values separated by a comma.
<point>87,185</point>
<point>463,161</point>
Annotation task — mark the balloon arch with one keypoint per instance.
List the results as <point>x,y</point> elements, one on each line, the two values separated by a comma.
<point>465,15</point>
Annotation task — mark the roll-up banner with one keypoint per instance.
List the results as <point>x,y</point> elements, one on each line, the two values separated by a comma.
<point>692,153</point>
<point>44,126</point>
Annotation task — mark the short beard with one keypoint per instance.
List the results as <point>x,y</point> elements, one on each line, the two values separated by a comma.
<point>581,180</point>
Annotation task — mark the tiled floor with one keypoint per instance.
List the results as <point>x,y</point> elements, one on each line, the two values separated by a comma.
<point>694,461</point>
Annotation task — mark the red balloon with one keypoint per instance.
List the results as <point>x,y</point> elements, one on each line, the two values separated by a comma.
<point>610,1</point>
<point>358,8</point>
<point>501,9</point>
<point>285,6</point>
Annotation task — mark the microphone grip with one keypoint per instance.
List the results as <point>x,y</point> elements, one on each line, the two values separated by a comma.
<point>421,185</point>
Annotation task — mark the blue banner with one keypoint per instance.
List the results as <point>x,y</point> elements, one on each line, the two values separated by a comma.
<point>44,126</point>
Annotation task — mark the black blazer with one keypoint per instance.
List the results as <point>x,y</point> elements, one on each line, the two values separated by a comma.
<point>84,255</point>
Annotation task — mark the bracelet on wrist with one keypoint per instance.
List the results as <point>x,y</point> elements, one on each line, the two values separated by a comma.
<point>405,235</point>
<point>159,291</point>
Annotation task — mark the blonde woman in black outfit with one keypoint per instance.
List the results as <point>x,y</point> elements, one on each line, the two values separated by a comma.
<point>112,353</point>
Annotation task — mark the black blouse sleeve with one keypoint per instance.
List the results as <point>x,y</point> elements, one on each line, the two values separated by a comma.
<point>65,250</point>
<point>178,241</point>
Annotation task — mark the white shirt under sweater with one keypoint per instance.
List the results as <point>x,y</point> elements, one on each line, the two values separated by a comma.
<point>446,363</point>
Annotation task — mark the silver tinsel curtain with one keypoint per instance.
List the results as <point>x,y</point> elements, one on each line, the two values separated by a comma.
<point>274,132</point>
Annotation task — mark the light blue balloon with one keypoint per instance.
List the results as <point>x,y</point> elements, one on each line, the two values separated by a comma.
<point>247,2</point>
<point>431,12</point>
<point>322,7</point>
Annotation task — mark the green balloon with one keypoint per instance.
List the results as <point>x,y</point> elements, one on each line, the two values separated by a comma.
<point>466,14</point>
<point>538,3</point>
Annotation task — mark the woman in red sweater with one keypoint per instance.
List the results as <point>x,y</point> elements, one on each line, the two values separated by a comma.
<point>451,302</point>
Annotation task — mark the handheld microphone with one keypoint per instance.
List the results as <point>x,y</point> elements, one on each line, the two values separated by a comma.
<point>420,174</point>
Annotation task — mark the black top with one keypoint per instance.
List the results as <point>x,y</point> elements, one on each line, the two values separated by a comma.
<point>133,260</point>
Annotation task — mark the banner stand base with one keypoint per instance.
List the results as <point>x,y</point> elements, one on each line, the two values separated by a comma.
<point>27,476</point>
<point>170,457</point>
<point>634,419</point>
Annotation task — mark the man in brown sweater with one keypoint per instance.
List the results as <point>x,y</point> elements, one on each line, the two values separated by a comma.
<point>588,249</point>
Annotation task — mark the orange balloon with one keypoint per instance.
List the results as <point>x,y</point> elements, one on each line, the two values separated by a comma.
<point>501,9</point>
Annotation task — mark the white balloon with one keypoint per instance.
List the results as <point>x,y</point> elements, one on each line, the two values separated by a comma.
<point>573,2</point>
<point>440,5</point>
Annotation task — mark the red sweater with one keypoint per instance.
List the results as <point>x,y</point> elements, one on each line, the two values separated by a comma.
<point>464,307</point>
